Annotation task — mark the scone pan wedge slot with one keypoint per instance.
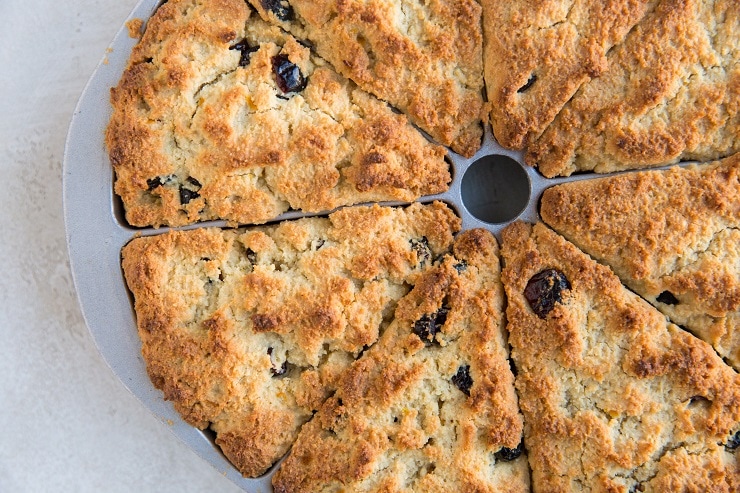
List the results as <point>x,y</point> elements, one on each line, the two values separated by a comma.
<point>96,233</point>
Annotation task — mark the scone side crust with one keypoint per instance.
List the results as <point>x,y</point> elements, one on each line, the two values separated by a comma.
<point>613,396</point>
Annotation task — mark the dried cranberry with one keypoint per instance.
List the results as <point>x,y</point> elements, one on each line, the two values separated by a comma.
<point>508,454</point>
<point>281,8</point>
<point>544,290</point>
<point>246,51</point>
<point>462,379</point>
<point>667,298</point>
<point>287,74</point>
<point>428,325</point>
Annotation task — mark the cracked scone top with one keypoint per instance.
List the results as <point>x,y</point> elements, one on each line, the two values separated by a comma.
<point>673,236</point>
<point>431,407</point>
<point>221,116</point>
<point>247,331</point>
<point>424,58</point>
<point>615,398</point>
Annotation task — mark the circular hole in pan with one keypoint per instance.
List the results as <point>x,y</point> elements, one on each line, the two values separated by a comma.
<point>496,189</point>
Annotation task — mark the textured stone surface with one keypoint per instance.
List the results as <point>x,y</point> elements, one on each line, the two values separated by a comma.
<point>70,425</point>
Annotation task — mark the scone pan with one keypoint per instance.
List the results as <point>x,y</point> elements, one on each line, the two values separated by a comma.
<point>97,231</point>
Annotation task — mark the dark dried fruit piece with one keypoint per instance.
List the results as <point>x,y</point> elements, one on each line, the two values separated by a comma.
<point>251,256</point>
<point>733,442</point>
<point>667,298</point>
<point>507,454</point>
<point>275,370</point>
<point>428,325</point>
<point>545,289</point>
<point>287,74</point>
<point>281,8</point>
<point>158,181</point>
<point>461,266</point>
<point>462,379</point>
<point>421,247</point>
<point>189,191</point>
<point>246,51</point>
<point>529,84</point>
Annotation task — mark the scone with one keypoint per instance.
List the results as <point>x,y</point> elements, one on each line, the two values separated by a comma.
<point>672,236</point>
<point>247,331</point>
<point>222,116</point>
<point>537,55</point>
<point>424,58</point>
<point>431,407</point>
<point>615,398</point>
<point>671,93</point>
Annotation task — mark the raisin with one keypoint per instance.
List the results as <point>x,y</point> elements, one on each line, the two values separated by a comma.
<point>462,379</point>
<point>277,372</point>
<point>667,298</point>
<point>733,442</point>
<point>544,290</point>
<point>421,247</point>
<point>287,74</point>
<point>529,84</point>
<point>251,256</point>
<point>246,51</point>
<point>188,194</point>
<point>428,325</point>
<point>507,454</point>
<point>461,266</point>
<point>158,181</point>
<point>282,9</point>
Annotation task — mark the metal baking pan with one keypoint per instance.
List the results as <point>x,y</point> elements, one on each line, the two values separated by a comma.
<point>489,191</point>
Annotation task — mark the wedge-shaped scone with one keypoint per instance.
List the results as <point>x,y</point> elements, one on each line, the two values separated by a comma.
<point>615,398</point>
<point>247,331</point>
<point>672,236</point>
<point>431,407</point>
<point>221,116</point>
<point>671,93</point>
<point>537,55</point>
<point>423,57</point>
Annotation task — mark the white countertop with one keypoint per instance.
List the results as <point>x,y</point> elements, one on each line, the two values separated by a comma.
<point>69,425</point>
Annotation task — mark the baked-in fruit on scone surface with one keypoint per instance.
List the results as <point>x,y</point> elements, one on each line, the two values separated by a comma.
<point>671,93</point>
<point>219,115</point>
<point>423,57</point>
<point>615,398</point>
<point>247,330</point>
<point>537,55</point>
<point>672,236</point>
<point>431,407</point>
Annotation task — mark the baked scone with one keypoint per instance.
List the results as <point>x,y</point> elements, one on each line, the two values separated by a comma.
<point>247,331</point>
<point>431,407</point>
<point>671,92</point>
<point>672,236</point>
<point>615,398</point>
<point>219,115</point>
<point>537,55</point>
<point>424,58</point>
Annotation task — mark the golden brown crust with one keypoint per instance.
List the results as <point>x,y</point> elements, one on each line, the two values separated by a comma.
<point>674,233</point>
<point>247,331</point>
<point>538,54</point>
<point>425,58</point>
<point>614,397</point>
<point>398,421</point>
<point>671,92</point>
<point>201,130</point>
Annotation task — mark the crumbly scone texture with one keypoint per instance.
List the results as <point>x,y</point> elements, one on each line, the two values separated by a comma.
<point>615,398</point>
<point>203,128</point>
<point>672,236</point>
<point>419,411</point>
<point>671,92</point>
<point>248,330</point>
<point>422,57</point>
<point>537,55</point>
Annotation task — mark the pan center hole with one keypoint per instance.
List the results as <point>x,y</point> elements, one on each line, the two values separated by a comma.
<point>495,189</point>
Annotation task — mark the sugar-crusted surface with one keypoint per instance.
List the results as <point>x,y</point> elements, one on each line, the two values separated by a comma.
<point>537,55</point>
<point>187,116</point>
<point>614,397</point>
<point>222,313</point>
<point>423,57</point>
<point>398,422</point>
<point>675,231</point>
<point>671,92</point>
